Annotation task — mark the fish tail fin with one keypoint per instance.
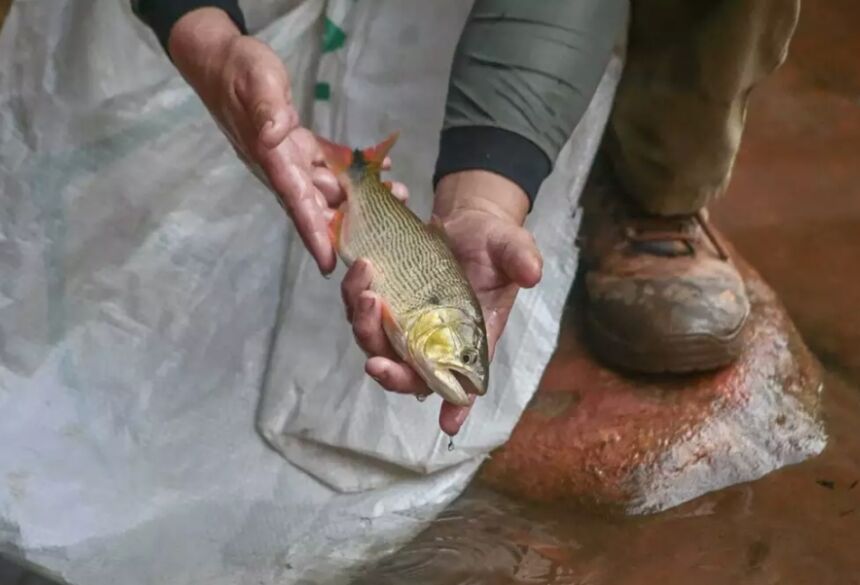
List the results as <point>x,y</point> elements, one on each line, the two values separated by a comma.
<point>374,155</point>
<point>337,156</point>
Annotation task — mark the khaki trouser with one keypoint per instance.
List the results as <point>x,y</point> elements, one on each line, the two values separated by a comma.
<point>681,103</point>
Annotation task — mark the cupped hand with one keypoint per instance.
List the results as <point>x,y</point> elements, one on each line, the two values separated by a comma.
<point>482,215</point>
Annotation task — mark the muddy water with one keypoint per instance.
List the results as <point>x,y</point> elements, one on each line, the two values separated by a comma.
<point>796,526</point>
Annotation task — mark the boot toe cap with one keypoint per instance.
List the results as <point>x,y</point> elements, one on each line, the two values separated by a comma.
<point>686,320</point>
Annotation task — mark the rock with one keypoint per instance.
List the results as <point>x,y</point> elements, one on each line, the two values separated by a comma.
<point>644,444</point>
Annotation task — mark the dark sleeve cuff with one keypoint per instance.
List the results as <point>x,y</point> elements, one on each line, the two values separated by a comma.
<point>500,151</point>
<point>161,15</point>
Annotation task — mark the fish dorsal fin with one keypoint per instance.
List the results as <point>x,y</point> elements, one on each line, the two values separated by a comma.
<point>337,157</point>
<point>374,155</point>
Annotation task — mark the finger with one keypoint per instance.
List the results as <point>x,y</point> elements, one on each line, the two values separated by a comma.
<point>386,163</point>
<point>307,144</point>
<point>303,202</point>
<point>395,376</point>
<point>356,281</point>
<point>514,251</point>
<point>399,190</point>
<point>496,320</point>
<point>326,182</point>
<point>367,326</point>
<point>451,417</point>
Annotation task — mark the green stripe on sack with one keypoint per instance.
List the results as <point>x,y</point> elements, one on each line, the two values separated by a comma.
<point>322,91</point>
<point>333,37</point>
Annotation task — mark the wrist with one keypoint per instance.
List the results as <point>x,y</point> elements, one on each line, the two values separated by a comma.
<point>480,191</point>
<point>199,41</point>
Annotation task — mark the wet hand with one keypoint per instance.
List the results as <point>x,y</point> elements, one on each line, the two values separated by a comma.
<point>246,88</point>
<point>482,214</point>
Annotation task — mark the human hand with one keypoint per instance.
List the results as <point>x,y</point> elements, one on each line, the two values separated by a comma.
<point>246,89</point>
<point>482,214</point>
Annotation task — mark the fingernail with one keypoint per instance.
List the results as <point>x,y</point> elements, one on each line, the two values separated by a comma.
<point>322,241</point>
<point>461,416</point>
<point>379,376</point>
<point>366,303</point>
<point>265,124</point>
<point>263,116</point>
<point>318,249</point>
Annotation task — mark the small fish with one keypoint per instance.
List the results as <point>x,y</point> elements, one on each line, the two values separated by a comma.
<point>429,311</point>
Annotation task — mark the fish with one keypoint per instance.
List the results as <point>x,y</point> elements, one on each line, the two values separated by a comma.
<point>430,312</point>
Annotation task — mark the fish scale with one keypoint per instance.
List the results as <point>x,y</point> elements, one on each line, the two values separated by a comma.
<point>414,266</point>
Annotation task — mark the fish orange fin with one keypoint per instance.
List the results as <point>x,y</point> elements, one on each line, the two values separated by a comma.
<point>337,156</point>
<point>374,155</point>
<point>334,227</point>
<point>387,315</point>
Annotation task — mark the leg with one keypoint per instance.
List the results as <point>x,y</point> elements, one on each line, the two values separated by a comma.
<point>662,293</point>
<point>682,101</point>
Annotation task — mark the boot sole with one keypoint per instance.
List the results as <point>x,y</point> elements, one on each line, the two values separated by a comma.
<point>679,355</point>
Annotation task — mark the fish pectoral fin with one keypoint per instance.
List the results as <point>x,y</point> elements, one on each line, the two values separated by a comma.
<point>334,228</point>
<point>393,330</point>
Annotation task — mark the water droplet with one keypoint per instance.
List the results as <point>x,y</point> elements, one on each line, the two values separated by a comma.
<point>450,443</point>
<point>421,397</point>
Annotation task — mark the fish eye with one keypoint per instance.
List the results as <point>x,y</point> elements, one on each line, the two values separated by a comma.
<point>467,357</point>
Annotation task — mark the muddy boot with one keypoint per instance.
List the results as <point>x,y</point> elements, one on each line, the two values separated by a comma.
<point>662,294</point>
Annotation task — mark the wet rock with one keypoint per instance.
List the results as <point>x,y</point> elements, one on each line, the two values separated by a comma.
<point>644,444</point>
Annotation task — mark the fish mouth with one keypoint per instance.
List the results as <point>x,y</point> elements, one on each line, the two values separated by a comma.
<point>459,386</point>
<point>452,387</point>
<point>469,382</point>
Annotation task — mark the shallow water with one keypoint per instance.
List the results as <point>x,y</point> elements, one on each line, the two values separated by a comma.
<point>798,525</point>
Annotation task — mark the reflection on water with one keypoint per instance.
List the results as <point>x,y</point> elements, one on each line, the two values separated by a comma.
<point>798,525</point>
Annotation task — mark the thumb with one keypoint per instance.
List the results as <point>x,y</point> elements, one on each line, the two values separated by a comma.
<point>512,250</point>
<point>268,105</point>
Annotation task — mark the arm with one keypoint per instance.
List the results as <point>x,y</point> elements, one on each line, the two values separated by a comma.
<point>161,15</point>
<point>523,76</point>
